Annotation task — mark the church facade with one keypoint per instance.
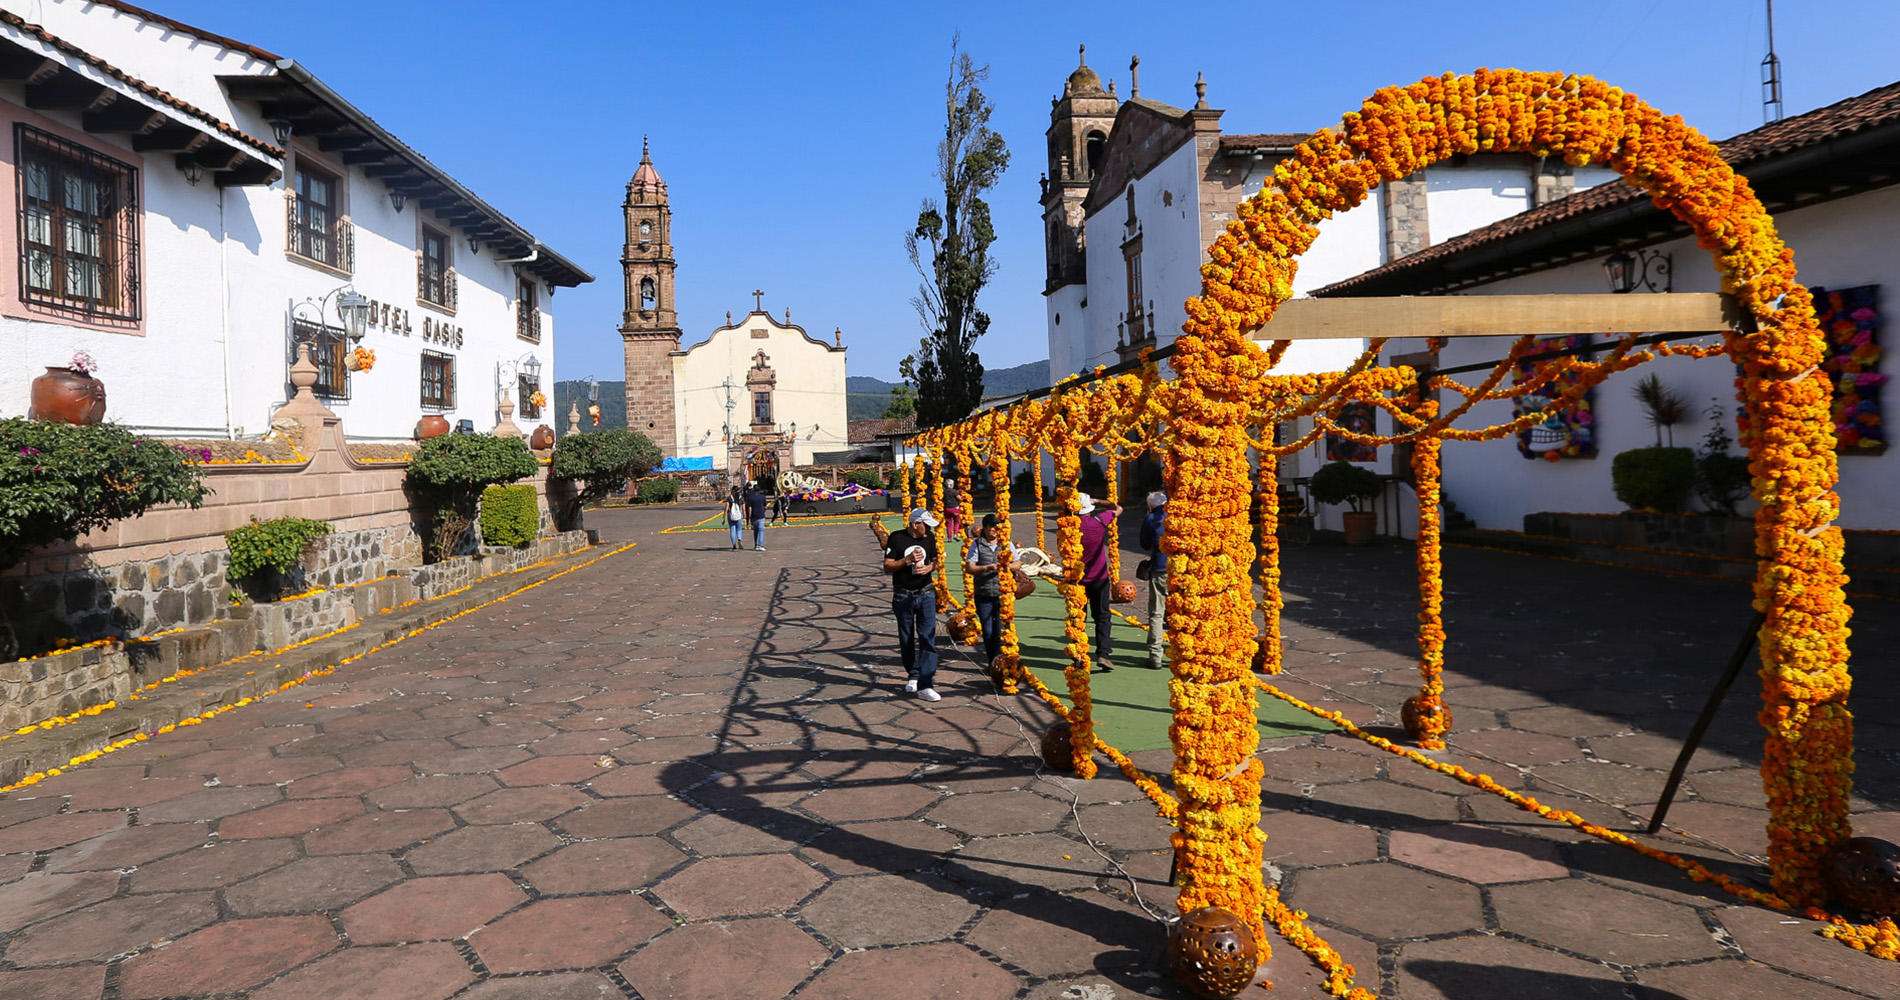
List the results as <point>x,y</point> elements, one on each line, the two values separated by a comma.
<point>757,396</point>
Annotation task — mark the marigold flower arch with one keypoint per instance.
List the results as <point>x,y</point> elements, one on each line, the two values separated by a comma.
<point>1224,391</point>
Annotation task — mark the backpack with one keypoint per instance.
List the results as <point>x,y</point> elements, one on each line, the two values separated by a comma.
<point>735,513</point>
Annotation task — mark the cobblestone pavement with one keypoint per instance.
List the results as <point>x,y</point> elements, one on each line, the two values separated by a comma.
<point>687,772</point>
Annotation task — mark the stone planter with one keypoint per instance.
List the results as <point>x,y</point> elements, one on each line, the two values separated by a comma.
<point>64,396</point>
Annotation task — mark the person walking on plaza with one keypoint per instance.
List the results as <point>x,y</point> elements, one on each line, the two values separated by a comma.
<point>1096,517</point>
<point>910,557</point>
<point>985,564</point>
<point>735,516</point>
<point>952,510</point>
<point>1152,527</point>
<point>755,512</point>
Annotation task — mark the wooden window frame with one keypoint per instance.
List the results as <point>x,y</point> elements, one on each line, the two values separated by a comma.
<point>761,396</point>
<point>528,310</point>
<point>112,223</point>
<point>436,290</point>
<point>525,388</point>
<point>327,244</point>
<point>445,364</point>
<point>329,350</point>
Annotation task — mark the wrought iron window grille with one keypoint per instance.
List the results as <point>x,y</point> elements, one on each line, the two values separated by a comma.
<point>438,381</point>
<point>317,234</point>
<point>79,227</point>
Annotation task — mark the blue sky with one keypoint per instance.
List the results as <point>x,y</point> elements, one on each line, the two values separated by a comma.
<point>797,140</point>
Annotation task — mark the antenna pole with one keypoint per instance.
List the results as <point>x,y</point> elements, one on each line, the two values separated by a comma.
<point>1771,76</point>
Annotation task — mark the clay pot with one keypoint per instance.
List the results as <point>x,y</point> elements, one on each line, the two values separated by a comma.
<point>433,425</point>
<point>1413,717</point>
<point>64,396</point>
<point>1213,953</point>
<point>1864,873</point>
<point>1056,745</point>
<point>1360,526</point>
<point>999,669</point>
<point>543,438</point>
<point>1123,592</point>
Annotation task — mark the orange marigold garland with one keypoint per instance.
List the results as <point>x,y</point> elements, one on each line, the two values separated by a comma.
<point>1006,604</point>
<point>1079,656</point>
<point>1268,656</point>
<point>1035,463</point>
<point>1426,717</point>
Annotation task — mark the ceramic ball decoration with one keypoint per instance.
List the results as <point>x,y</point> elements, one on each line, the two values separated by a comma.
<point>1213,952</point>
<point>1056,743</point>
<point>1413,717</point>
<point>1864,873</point>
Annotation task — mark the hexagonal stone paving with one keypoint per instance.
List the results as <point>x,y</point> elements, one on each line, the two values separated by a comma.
<point>888,909</point>
<point>989,813</point>
<point>757,959</point>
<point>380,831</point>
<point>410,972</point>
<point>1589,919</point>
<point>742,886</point>
<point>571,933</point>
<point>227,957</point>
<point>481,849</point>
<point>114,927</point>
<point>422,909</point>
<point>313,884</point>
<point>1478,854</point>
<point>860,802</point>
<point>1048,935</point>
<point>521,805</point>
<point>623,863</point>
<point>946,971</point>
<point>1387,900</point>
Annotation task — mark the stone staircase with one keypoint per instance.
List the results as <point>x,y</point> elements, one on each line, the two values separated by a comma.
<point>1454,519</point>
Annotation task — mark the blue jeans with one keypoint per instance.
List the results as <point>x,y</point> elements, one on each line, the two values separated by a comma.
<point>916,612</point>
<point>738,533</point>
<point>758,532</point>
<point>988,616</point>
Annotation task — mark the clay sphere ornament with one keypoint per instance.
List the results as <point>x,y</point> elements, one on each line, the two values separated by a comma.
<point>1213,952</point>
<point>1864,873</point>
<point>1057,745</point>
<point>1413,716</point>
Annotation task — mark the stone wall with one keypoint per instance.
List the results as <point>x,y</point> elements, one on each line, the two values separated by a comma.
<point>165,570</point>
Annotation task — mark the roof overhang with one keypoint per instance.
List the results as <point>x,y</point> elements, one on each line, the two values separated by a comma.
<point>319,114</point>
<point>108,101</point>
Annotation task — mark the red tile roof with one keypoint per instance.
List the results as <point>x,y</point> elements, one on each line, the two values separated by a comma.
<point>1263,140</point>
<point>215,123</point>
<point>1880,106</point>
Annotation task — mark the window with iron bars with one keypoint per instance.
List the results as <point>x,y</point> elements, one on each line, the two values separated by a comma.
<point>525,388</point>
<point>438,380</point>
<point>317,229</point>
<point>528,310</point>
<point>329,351</point>
<point>435,277</point>
<point>79,227</point>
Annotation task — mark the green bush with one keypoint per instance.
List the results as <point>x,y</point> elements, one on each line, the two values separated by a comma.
<point>865,478</point>
<point>59,481</point>
<point>1344,482</point>
<point>659,490</point>
<point>449,474</point>
<point>1653,478</point>
<point>1023,488</point>
<point>1721,479</point>
<point>511,515</point>
<point>604,461</point>
<point>894,480</point>
<point>263,552</point>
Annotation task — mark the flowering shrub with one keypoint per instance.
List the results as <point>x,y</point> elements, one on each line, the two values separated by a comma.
<point>450,472</point>
<point>83,363</point>
<point>59,481</point>
<point>262,552</point>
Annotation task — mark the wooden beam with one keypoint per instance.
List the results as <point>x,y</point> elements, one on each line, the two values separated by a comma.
<point>65,91</point>
<point>122,115</point>
<point>348,140</point>
<point>21,64</point>
<point>213,156</point>
<point>367,157</point>
<point>168,139</point>
<point>434,202</point>
<point>256,88</point>
<point>247,174</point>
<point>1495,316</point>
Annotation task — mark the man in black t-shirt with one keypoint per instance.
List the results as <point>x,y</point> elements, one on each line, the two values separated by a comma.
<point>755,512</point>
<point>910,557</point>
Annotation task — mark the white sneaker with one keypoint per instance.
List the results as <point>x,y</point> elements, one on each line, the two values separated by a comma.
<point>910,686</point>
<point>930,694</point>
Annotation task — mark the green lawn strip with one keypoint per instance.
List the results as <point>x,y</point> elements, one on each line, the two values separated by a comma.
<point>1131,702</point>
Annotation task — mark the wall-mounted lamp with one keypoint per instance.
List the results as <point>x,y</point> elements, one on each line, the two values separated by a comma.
<point>1646,268</point>
<point>474,245</point>
<point>397,199</point>
<point>354,308</point>
<point>193,172</point>
<point>280,127</point>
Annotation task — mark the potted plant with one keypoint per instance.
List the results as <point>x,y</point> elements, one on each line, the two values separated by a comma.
<point>1355,486</point>
<point>360,360</point>
<point>69,394</point>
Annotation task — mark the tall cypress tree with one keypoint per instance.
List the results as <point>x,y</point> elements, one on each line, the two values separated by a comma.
<point>971,158</point>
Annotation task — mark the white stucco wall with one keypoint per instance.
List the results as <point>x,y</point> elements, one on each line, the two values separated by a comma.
<point>809,391</point>
<point>1837,244</point>
<point>208,357</point>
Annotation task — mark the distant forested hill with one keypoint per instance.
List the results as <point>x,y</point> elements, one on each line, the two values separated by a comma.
<point>866,397</point>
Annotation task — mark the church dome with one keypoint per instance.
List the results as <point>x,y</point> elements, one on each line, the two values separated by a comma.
<point>646,178</point>
<point>1083,81</point>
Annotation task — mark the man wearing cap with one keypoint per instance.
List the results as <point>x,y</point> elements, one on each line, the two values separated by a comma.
<point>985,564</point>
<point>910,557</point>
<point>1096,518</point>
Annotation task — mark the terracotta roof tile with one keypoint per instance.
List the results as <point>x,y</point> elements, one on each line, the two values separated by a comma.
<point>207,118</point>
<point>1263,140</point>
<point>1876,107</point>
<point>863,431</point>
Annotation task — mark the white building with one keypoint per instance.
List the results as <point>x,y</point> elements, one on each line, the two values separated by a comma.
<point>1136,190</point>
<point>1827,176</point>
<point>195,208</point>
<point>760,376</point>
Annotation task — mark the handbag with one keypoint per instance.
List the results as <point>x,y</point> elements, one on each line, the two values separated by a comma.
<point>1145,570</point>
<point>1025,584</point>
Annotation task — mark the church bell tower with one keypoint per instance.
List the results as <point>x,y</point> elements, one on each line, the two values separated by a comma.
<point>649,326</point>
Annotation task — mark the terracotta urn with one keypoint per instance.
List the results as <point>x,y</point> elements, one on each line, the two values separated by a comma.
<point>1057,747</point>
<point>64,396</point>
<point>1213,952</point>
<point>542,439</point>
<point>433,425</point>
